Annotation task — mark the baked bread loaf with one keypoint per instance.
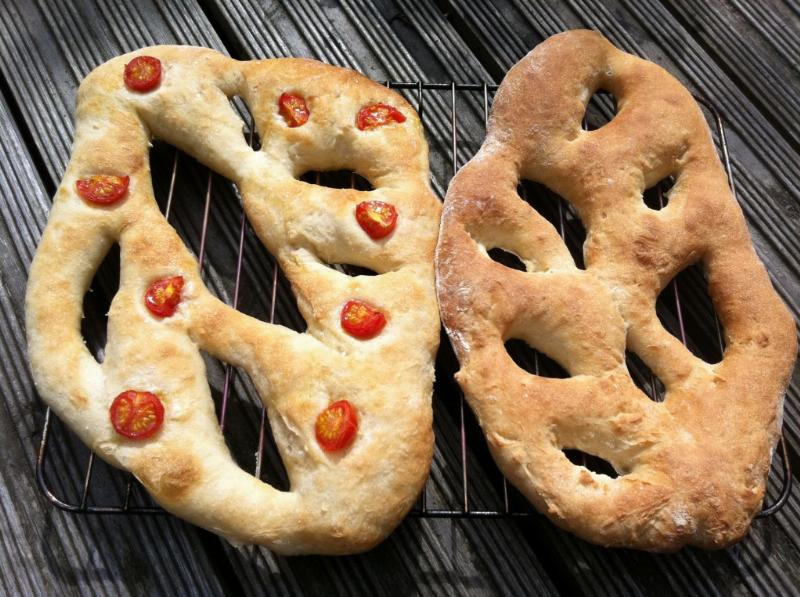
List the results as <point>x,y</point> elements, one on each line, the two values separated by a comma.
<point>692,469</point>
<point>349,400</point>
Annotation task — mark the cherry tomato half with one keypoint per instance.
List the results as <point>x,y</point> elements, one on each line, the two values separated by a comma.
<point>376,218</point>
<point>293,109</point>
<point>378,115</point>
<point>162,297</point>
<point>136,415</point>
<point>103,188</point>
<point>361,320</point>
<point>336,426</point>
<point>143,73</point>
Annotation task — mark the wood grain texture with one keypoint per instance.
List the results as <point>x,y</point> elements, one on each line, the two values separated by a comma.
<point>45,49</point>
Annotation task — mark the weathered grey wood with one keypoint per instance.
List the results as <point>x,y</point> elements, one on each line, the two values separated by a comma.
<point>46,48</point>
<point>763,65</point>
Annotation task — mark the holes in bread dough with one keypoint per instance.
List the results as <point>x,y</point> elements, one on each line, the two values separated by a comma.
<point>644,378</point>
<point>657,196</point>
<point>591,462</point>
<point>600,110</point>
<point>97,302</point>
<point>243,413</point>
<point>506,258</point>
<point>687,312</point>
<point>352,270</point>
<point>222,238</point>
<point>251,136</point>
<point>533,361</point>
<point>559,213</point>
<point>255,290</point>
<point>337,179</point>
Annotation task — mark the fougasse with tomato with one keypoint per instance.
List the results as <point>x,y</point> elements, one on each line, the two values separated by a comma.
<point>349,399</point>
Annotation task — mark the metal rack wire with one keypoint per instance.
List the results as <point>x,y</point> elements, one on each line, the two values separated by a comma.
<point>482,93</point>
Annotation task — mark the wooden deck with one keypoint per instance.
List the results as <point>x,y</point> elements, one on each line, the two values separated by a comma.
<point>741,56</point>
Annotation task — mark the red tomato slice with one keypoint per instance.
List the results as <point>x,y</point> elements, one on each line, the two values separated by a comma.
<point>378,115</point>
<point>376,218</point>
<point>103,188</point>
<point>162,297</point>
<point>136,415</point>
<point>143,73</point>
<point>336,426</point>
<point>361,320</point>
<point>293,109</point>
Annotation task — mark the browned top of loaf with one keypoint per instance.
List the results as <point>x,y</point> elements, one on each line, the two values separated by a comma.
<point>692,469</point>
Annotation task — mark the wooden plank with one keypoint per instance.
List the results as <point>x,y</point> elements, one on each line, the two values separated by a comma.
<point>762,65</point>
<point>777,24</point>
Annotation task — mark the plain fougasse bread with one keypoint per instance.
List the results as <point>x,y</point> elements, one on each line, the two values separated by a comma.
<point>692,468</point>
<point>349,400</point>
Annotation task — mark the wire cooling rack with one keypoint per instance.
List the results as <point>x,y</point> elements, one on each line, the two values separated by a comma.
<point>684,307</point>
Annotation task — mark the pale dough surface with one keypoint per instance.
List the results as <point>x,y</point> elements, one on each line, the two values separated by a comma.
<point>340,503</point>
<point>692,469</point>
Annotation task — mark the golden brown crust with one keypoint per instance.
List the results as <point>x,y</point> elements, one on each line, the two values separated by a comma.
<point>337,504</point>
<point>693,468</point>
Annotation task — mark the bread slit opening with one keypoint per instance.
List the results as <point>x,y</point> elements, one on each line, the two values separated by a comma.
<point>600,110</point>
<point>687,311</point>
<point>185,200</point>
<point>558,211</point>
<point>349,269</point>
<point>97,302</point>
<point>506,258</point>
<point>644,378</point>
<point>255,292</point>
<point>657,196</point>
<point>591,462</point>
<point>253,445</point>
<point>337,179</point>
<point>249,131</point>
<point>534,361</point>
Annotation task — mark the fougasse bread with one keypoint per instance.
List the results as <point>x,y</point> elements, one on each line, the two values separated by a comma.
<point>348,400</point>
<point>691,469</point>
